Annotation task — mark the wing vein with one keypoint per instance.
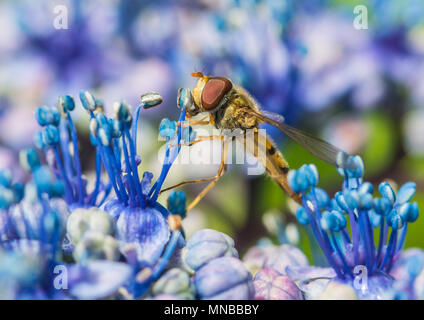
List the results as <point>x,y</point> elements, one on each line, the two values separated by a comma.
<point>318,147</point>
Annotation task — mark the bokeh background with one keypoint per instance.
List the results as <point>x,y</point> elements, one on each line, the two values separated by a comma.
<point>363,90</point>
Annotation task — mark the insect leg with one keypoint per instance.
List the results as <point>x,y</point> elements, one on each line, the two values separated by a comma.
<point>202,121</point>
<point>221,171</point>
<point>200,139</point>
<point>196,180</point>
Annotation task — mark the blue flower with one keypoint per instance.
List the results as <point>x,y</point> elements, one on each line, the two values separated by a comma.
<point>91,233</point>
<point>271,285</point>
<point>59,139</point>
<point>98,279</point>
<point>346,250</point>
<point>224,278</point>
<point>37,211</point>
<point>176,282</point>
<point>148,234</point>
<point>206,245</point>
<point>33,233</point>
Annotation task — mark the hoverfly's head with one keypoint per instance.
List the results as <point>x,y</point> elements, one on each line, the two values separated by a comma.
<point>209,91</point>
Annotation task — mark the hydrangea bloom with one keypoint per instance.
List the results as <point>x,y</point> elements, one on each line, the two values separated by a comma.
<point>349,253</point>
<point>142,230</point>
<point>133,224</point>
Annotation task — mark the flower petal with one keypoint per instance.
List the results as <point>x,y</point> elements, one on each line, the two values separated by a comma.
<point>147,230</point>
<point>99,279</point>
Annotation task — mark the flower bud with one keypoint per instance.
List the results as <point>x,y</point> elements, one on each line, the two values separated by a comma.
<point>167,128</point>
<point>184,98</point>
<point>88,101</point>
<point>302,216</point>
<point>270,285</point>
<point>206,245</point>
<point>82,220</point>
<point>406,192</point>
<point>382,206</point>
<point>51,135</point>
<point>224,278</point>
<point>177,203</point>
<point>66,103</point>
<point>387,192</point>
<point>174,282</point>
<point>413,212</point>
<point>109,277</point>
<point>395,220</point>
<point>150,100</point>
<point>29,159</point>
<point>366,187</point>
<point>95,245</point>
<point>286,256</point>
<point>298,181</point>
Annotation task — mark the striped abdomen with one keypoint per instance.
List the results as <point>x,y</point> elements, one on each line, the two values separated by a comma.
<point>264,149</point>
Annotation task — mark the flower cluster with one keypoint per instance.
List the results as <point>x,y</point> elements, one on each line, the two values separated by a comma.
<point>209,269</point>
<point>84,226</point>
<point>346,249</point>
<point>113,239</point>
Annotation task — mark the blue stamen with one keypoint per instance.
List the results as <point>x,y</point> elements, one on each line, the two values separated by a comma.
<point>402,237</point>
<point>68,190</point>
<point>116,172</point>
<point>161,265</point>
<point>164,172</point>
<point>390,248</point>
<point>326,248</point>
<point>169,251</point>
<point>365,213</point>
<point>381,239</point>
<point>168,162</point>
<point>346,237</point>
<point>81,191</point>
<point>134,127</point>
<point>117,153</point>
<point>94,194</point>
<point>129,174</point>
<point>64,147</point>
<point>340,254</point>
<point>366,242</point>
<point>135,168</point>
<point>110,172</point>
<point>106,194</point>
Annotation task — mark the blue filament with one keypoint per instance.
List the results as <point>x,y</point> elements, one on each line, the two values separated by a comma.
<point>129,173</point>
<point>328,224</point>
<point>81,191</point>
<point>135,168</point>
<point>68,190</point>
<point>95,192</point>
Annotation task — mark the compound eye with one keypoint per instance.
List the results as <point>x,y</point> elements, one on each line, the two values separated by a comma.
<point>213,92</point>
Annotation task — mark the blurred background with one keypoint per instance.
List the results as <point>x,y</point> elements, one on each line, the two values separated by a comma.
<point>361,89</point>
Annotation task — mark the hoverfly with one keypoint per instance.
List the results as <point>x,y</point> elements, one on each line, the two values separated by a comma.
<point>231,107</point>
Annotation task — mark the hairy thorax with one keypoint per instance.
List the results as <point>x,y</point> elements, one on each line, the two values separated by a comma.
<point>231,113</point>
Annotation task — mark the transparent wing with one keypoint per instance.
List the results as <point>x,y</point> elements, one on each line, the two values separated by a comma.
<point>273,116</point>
<point>318,147</point>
